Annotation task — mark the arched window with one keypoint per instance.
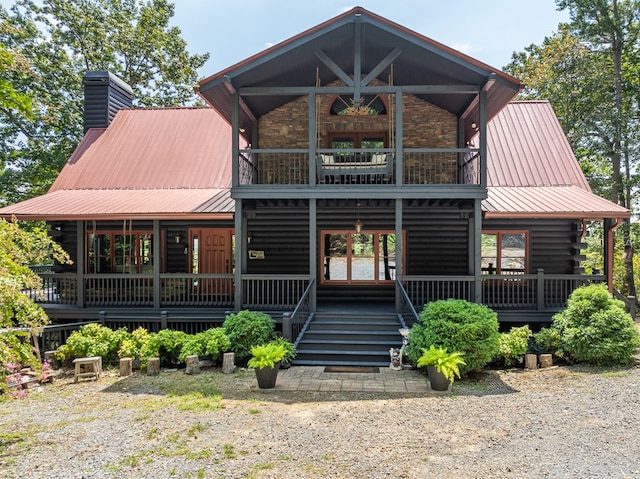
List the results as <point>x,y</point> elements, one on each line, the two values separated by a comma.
<point>369,105</point>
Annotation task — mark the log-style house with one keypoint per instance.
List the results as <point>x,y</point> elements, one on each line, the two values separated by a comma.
<point>356,165</point>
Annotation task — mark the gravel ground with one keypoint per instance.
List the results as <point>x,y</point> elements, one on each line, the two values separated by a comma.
<point>562,422</point>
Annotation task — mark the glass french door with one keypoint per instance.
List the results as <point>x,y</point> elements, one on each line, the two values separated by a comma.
<point>366,257</point>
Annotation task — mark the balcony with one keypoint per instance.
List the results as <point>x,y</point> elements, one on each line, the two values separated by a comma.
<point>419,166</point>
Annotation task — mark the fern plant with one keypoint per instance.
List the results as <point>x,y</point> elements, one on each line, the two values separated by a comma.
<point>446,363</point>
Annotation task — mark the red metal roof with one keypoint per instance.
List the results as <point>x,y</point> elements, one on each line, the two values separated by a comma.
<point>526,146</point>
<point>126,203</point>
<point>532,171</point>
<point>549,202</point>
<point>153,148</point>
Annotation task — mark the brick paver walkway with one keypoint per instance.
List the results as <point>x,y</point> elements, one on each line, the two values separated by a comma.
<point>314,378</point>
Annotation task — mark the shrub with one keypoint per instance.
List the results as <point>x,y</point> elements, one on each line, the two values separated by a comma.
<point>131,346</point>
<point>207,344</point>
<point>514,344</point>
<point>166,345</point>
<point>93,340</point>
<point>595,328</point>
<point>456,325</point>
<point>246,329</point>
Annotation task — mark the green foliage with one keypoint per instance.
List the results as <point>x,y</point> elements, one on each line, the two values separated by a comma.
<point>595,328</point>
<point>266,355</point>
<point>166,345</point>
<point>457,325</point>
<point>93,340</point>
<point>446,363</point>
<point>207,344</point>
<point>547,340</point>
<point>247,328</point>
<point>51,44</point>
<point>514,344</point>
<point>289,350</point>
<point>131,347</point>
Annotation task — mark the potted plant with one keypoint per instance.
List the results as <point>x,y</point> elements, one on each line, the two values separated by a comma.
<point>289,351</point>
<point>265,360</point>
<point>442,367</point>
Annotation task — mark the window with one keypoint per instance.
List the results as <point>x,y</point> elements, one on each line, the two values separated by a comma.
<point>367,257</point>
<point>115,252</point>
<point>504,252</point>
<point>369,105</point>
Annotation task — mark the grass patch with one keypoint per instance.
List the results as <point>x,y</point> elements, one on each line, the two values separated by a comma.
<point>229,451</point>
<point>254,411</point>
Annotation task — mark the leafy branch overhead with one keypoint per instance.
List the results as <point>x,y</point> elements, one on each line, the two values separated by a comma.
<point>46,48</point>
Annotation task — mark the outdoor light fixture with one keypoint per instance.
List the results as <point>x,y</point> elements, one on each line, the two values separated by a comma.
<point>178,237</point>
<point>249,237</point>
<point>358,224</point>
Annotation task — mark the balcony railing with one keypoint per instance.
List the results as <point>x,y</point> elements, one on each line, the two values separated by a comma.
<point>420,166</point>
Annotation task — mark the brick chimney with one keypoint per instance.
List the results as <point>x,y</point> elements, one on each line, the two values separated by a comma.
<point>104,95</point>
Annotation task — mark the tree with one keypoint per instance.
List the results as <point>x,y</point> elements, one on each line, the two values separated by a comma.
<point>589,71</point>
<point>58,41</point>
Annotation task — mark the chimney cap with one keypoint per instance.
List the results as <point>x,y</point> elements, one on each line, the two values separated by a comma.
<point>96,77</point>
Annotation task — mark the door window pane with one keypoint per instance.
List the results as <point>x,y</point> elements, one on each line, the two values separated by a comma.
<point>362,257</point>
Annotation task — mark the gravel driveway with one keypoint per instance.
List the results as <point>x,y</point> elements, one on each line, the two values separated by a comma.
<point>562,422</point>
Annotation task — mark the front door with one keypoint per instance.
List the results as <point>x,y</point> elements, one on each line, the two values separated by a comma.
<point>212,253</point>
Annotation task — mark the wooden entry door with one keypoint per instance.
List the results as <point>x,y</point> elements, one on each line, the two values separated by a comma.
<point>212,253</point>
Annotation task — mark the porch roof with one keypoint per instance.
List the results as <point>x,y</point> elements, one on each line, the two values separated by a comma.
<point>87,204</point>
<point>568,201</point>
<point>359,40</point>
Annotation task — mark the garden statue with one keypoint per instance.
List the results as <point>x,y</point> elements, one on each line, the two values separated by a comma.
<point>396,359</point>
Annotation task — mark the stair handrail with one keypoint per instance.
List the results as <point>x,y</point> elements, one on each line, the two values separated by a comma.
<point>629,302</point>
<point>406,306</point>
<point>288,317</point>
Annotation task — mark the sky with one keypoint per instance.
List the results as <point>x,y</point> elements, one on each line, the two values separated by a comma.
<point>489,30</point>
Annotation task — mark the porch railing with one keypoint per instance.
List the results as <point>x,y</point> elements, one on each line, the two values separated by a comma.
<point>272,292</point>
<point>533,292</point>
<point>176,289</point>
<point>421,166</point>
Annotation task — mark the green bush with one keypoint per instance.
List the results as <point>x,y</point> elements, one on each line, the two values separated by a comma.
<point>93,340</point>
<point>207,344</point>
<point>514,344</point>
<point>595,328</point>
<point>457,325</point>
<point>246,329</point>
<point>166,345</point>
<point>132,346</point>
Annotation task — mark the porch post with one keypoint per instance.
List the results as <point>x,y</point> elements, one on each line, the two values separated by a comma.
<point>312,138</point>
<point>483,136</point>
<point>476,264</point>
<point>313,252</point>
<point>398,139</point>
<point>399,253</point>
<point>241,253</point>
<point>80,265</point>
<point>156,263</point>
<point>235,142</point>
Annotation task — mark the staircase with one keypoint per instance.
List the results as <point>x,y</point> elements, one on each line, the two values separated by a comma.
<point>349,339</point>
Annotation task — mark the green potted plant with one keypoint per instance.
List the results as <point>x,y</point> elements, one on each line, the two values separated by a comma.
<point>289,351</point>
<point>265,360</point>
<point>442,367</point>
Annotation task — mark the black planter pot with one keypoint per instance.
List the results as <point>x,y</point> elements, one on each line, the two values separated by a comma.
<point>267,376</point>
<point>437,380</point>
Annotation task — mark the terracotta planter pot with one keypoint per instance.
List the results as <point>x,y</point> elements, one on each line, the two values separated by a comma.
<point>267,377</point>
<point>437,380</point>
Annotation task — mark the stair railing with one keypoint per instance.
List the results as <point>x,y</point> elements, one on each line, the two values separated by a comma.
<point>406,306</point>
<point>291,318</point>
